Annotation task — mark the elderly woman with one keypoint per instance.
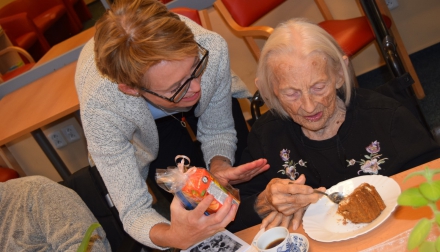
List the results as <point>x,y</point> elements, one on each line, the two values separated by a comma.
<point>320,130</point>
<point>146,77</point>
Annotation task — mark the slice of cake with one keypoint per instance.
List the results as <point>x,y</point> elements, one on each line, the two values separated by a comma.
<point>363,205</point>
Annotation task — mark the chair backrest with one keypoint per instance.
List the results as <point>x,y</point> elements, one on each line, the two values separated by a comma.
<point>22,32</point>
<point>45,15</point>
<point>247,12</point>
<point>352,34</point>
<point>240,14</point>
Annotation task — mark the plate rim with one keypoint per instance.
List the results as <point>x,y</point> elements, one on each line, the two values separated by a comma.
<point>361,179</point>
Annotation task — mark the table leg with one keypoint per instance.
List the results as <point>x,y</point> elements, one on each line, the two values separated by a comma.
<point>51,153</point>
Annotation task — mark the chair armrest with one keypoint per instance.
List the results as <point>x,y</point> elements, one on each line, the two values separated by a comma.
<point>18,50</point>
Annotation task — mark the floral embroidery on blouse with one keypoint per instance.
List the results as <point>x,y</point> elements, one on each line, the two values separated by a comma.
<point>372,162</point>
<point>290,166</point>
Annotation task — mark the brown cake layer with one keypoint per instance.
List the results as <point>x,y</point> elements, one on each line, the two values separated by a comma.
<point>363,205</point>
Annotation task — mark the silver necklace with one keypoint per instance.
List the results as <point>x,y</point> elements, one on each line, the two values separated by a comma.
<point>182,122</point>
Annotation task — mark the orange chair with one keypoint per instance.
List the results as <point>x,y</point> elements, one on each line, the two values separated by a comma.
<point>80,9</point>
<point>52,18</point>
<point>23,33</point>
<point>17,69</point>
<point>7,174</point>
<point>351,34</point>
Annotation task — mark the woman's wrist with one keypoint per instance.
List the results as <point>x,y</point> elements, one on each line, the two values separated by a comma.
<point>262,206</point>
<point>218,163</point>
<point>160,235</point>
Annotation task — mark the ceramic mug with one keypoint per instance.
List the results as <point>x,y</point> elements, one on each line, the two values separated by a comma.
<point>275,239</point>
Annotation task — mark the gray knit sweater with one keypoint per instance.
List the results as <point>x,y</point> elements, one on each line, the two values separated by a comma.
<point>122,137</point>
<point>38,214</point>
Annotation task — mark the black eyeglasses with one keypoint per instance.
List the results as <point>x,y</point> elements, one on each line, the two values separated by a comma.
<point>181,91</point>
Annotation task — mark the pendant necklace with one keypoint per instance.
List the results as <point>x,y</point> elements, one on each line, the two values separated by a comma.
<point>182,121</point>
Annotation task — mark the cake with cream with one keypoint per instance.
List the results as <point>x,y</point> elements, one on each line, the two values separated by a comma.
<point>363,205</point>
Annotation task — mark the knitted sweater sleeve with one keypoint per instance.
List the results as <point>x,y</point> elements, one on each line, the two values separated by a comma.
<point>112,124</point>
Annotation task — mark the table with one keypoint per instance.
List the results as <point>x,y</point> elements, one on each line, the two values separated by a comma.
<point>67,45</point>
<point>401,220</point>
<point>41,102</point>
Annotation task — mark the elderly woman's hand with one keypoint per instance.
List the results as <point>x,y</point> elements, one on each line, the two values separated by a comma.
<point>285,196</point>
<point>275,219</point>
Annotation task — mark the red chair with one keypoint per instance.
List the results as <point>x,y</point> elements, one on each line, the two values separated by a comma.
<point>351,34</point>
<point>16,70</point>
<point>80,9</point>
<point>52,18</point>
<point>23,33</point>
<point>7,174</point>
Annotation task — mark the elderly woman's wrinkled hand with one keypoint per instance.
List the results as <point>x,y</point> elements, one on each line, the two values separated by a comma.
<point>287,196</point>
<point>284,202</point>
<point>275,219</point>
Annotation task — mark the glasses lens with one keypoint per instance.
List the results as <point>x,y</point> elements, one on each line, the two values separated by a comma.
<point>196,74</point>
<point>182,92</point>
<point>202,66</point>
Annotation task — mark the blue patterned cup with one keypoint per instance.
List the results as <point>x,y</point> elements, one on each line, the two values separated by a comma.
<point>300,243</point>
<point>276,239</point>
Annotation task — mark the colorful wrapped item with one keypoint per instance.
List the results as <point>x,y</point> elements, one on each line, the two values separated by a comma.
<point>193,184</point>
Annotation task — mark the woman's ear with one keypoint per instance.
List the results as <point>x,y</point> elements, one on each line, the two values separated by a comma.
<point>341,76</point>
<point>256,83</point>
<point>124,88</point>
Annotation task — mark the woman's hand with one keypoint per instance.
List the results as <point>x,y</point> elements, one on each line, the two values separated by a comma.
<point>285,196</point>
<point>275,219</point>
<point>190,227</point>
<point>225,173</point>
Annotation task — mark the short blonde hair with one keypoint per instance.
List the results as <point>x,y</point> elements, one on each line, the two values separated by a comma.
<point>135,35</point>
<point>315,39</point>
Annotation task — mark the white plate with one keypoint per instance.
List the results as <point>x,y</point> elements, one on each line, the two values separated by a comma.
<point>322,223</point>
<point>301,242</point>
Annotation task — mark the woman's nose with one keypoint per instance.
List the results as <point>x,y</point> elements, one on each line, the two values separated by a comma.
<point>194,85</point>
<point>307,103</point>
